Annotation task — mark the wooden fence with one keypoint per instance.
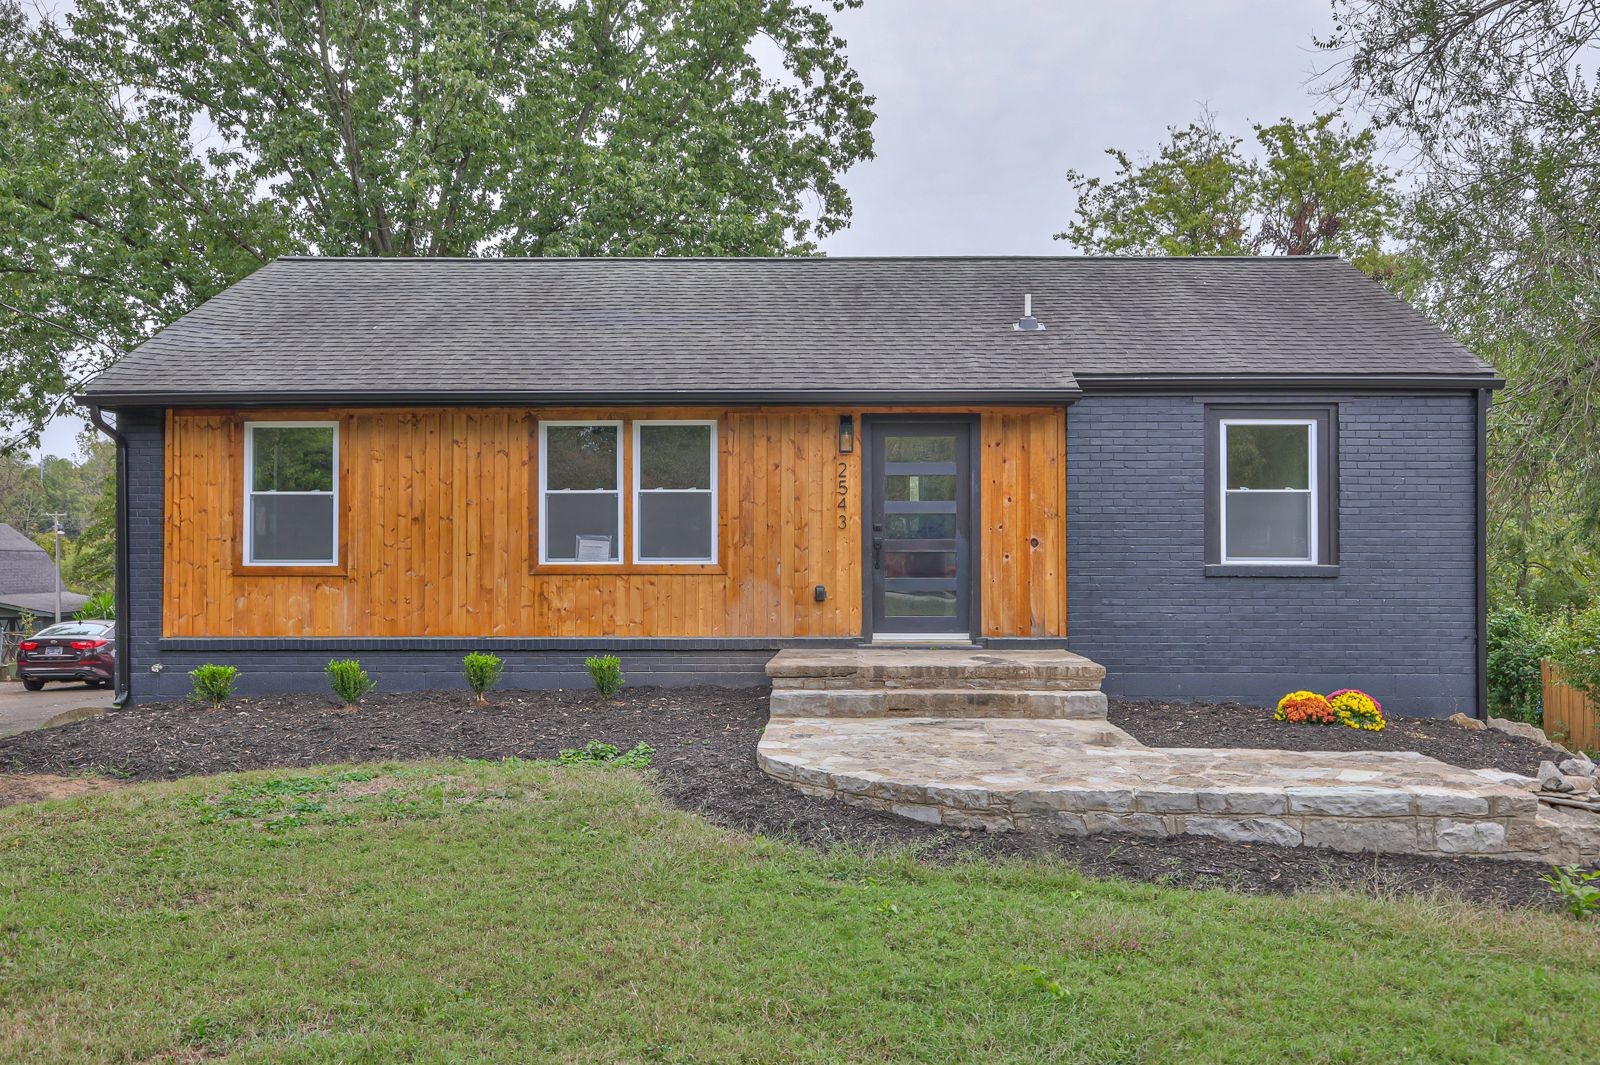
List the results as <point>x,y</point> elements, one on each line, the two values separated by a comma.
<point>1569,718</point>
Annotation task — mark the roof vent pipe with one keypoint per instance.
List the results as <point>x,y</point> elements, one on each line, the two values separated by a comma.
<point>1027,323</point>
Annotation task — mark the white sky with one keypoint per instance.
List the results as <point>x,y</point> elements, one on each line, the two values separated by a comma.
<point>984,105</point>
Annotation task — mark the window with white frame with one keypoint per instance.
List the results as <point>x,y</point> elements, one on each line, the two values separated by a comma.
<point>1270,496</point>
<point>291,493</point>
<point>675,491</point>
<point>580,492</point>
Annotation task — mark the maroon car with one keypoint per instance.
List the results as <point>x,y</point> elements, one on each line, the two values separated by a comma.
<point>71,651</point>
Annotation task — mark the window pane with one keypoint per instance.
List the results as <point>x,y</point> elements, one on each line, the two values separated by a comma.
<point>1269,456</point>
<point>919,604</point>
<point>919,526</point>
<point>1269,525</point>
<point>920,448</point>
<point>291,528</point>
<point>675,526</point>
<point>919,487</point>
<point>919,563</point>
<point>581,528</point>
<point>581,457</point>
<point>292,458</point>
<point>674,456</point>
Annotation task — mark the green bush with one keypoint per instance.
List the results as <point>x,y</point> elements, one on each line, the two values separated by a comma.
<point>99,607</point>
<point>597,752</point>
<point>1576,890</point>
<point>606,672</point>
<point>213,684</point>
<point>1577,650</point>
<point>483,672</point>
<point>348,680</point>
<point>1517,641</point>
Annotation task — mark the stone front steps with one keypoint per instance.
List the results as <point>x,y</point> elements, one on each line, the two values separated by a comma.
<point>1084,777</point>
<point>948,683</point>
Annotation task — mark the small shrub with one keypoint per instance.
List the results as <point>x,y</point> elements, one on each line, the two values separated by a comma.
<point>606,672</point>
<point>99,607</point>
<point>213,684</point>
<point>596,752</point>
<point>348,680</point>
<point>1304,707</point>
<point>1356,709</point>
<point>1517,641</point>
<point>483,672</point>
<point>1576,889</point>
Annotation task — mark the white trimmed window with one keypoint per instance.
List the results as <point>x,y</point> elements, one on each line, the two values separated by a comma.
<point>675,491</point>
<point>291,493</point>
<point>580,492</point>
<point>1269,491</point>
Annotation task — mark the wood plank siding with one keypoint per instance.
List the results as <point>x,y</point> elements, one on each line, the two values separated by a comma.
<point>438,506</point>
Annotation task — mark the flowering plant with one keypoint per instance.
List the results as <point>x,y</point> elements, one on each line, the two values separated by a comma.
<point>1357,709</point>
<point>1304,707</point>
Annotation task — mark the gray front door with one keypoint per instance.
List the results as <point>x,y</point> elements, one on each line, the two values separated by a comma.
<point>919,549</point>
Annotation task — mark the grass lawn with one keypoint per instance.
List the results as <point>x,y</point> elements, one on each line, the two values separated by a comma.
<point>519,912</point>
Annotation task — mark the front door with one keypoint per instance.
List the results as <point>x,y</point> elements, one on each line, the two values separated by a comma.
<point>919,550</point>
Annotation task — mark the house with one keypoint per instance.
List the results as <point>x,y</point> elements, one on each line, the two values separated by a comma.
<point>1222,478</point>
<point>28,583</point>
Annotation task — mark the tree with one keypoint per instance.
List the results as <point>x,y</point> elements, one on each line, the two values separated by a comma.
<point>1494,100</point>
<point>158,150</point>
<point>1315,189</point>
<point>1191,199</point>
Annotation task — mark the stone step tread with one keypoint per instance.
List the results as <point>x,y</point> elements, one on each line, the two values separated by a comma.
<point>937,702</point>
<point>883,664</point>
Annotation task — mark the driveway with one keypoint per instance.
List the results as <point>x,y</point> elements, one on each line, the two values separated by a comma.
<point>21,709</point>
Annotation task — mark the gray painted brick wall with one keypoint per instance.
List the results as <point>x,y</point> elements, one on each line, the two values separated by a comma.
<point>1399,620</point>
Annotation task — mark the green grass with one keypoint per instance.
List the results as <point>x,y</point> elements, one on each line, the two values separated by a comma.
<point>520,912</point>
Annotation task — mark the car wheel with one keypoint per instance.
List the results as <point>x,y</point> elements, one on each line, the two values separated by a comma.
<point>33,685</point>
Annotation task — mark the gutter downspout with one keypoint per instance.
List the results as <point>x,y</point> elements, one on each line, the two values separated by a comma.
<point>1484,399</point>
<point>124,632</point>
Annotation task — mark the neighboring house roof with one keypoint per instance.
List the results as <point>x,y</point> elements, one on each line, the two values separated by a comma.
<point>553,329</point>
<point>24,565</point>
<point>42,604</point>
<point>28,577</point>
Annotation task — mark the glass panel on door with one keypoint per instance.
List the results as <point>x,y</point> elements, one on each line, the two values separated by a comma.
<point>920,540</point>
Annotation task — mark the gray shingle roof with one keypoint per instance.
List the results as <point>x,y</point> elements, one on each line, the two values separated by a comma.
<point>532,329</point>
<point>24,565</point>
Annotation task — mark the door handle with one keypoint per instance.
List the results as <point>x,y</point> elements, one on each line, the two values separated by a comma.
<point>877,552</point>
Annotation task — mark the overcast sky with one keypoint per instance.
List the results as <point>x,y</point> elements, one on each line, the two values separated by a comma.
<point>983,106</point>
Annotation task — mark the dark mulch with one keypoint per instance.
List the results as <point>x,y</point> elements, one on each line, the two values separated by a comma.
<point>705,741</point>
<point>1163,724</point>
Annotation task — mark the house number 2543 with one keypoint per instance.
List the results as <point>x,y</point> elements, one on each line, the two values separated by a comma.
<point>841,489</point>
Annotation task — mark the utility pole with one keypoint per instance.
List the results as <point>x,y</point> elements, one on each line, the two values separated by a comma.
<point>56,519</point>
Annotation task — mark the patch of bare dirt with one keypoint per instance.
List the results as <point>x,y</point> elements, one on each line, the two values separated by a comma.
<point>37,787</point>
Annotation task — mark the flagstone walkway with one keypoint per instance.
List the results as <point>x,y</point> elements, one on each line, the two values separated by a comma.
<point>1090,777</point>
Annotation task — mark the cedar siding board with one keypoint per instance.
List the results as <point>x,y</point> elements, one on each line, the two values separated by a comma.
<point>439,512</point>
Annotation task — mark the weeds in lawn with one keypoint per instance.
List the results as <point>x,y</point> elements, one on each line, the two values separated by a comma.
<point>597,753</point>
<point>1046,983</point>
<point>1576,889</point>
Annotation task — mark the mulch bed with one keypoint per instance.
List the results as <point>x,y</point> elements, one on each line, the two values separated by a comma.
<point>1162,724</point>
<point>705,740</point>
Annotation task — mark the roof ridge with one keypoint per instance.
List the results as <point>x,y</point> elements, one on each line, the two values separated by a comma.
<point>805,258</point>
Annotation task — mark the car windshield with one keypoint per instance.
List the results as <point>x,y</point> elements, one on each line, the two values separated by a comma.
<point>81,628</point>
